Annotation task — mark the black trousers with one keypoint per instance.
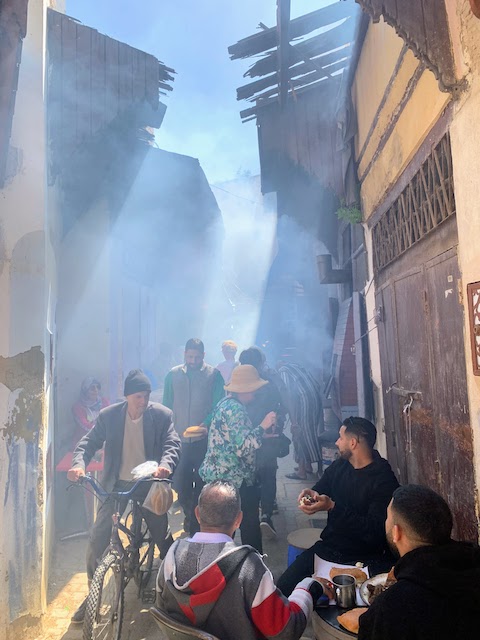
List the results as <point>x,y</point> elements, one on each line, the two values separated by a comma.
<point>102,527</point>
<point>186,477</point>
<point>267,479</point>
<point>301,567</point>
<point>250,527</point>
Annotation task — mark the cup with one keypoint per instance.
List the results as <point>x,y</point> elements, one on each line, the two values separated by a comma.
<point>345,592</point>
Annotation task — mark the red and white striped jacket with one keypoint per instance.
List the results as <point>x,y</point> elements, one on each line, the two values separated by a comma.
<point>226,589</point>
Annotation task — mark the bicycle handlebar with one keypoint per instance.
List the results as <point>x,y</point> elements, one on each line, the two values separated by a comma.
<point>87,478</point>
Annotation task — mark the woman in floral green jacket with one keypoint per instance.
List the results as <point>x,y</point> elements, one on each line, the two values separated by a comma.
<point>232,442</point>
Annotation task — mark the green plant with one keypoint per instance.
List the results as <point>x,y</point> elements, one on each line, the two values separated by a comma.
<point>351,214</point>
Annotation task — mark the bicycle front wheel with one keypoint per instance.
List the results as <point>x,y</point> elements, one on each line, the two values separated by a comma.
<point>104,613</point>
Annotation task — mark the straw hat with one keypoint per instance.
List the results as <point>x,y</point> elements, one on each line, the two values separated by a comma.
<point>245,379</point>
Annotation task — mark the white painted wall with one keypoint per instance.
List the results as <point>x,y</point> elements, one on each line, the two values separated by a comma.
<point>27,283</point>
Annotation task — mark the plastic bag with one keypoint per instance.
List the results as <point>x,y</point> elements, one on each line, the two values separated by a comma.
<point>144,470</point>
<point>159,498</point>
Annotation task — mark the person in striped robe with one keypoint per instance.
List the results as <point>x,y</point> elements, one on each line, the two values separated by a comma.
<point>305,410</point>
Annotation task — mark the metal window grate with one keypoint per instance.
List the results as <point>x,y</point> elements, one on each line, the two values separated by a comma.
<point>426,202</point>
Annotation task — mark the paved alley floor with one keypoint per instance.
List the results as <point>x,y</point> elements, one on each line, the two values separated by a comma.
<point>68,583</point>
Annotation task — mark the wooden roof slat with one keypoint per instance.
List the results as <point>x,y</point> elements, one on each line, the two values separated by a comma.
<point>93,80</point>
<point>329,63</point>
<point>267,39</point>
<point>283,51</point>
<point>112,79</point>
<point>313,47</point>
<point>83,82</point>
<point>330,84</point>
<point>98,80</point>
<point>164,87</point>
<point>309,78</point>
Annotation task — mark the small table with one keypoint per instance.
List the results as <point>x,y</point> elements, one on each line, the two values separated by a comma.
<point>94,467</point>
<point>325,625</point>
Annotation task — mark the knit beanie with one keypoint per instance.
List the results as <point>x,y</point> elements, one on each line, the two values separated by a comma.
<point>136,381</point>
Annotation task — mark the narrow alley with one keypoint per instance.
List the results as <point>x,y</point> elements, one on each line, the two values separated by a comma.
<point>221,221</point>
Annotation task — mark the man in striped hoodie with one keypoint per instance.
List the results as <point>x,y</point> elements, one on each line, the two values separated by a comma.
<point>211,583</point>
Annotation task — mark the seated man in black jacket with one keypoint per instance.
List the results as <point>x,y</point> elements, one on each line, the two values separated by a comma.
<point>355,490</point>
<point>437,593</point>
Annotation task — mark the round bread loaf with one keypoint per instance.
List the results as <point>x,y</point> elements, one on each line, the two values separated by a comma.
<point>350,619</point>
<point>162,498</point>
<point>191,432</point>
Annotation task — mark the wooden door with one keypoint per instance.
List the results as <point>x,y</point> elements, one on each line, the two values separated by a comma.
<point>413,388</point>
<point>429,437</point>
<point>454,460</point>
<point>394,431</point>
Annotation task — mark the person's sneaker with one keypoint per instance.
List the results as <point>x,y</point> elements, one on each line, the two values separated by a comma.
<point>266,525</point>
<point>79,614</point>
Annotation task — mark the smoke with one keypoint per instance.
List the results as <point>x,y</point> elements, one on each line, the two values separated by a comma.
<point>294,319</point>
<point>237,292</point>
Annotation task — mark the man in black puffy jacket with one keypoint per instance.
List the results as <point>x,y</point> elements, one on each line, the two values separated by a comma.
<point>437,593</point>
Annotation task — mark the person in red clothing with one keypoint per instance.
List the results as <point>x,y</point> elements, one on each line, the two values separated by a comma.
<point>213,584</point>
<point>86,409</point>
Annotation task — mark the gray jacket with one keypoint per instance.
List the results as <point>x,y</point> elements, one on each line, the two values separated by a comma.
<point>162,443</point>
<point>192,395</point>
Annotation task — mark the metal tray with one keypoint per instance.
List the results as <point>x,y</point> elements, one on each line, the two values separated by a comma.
<point>381,578</point>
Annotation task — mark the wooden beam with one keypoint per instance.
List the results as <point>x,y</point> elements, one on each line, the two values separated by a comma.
<point>283,51</point>
<point>316,46</point>
<point>306,79</point>
<point>298,83</point>
<point>267,39</point>
<point>327,64</point>
<point>330,84</point>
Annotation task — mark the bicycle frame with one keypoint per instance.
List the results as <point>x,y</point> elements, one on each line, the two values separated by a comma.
<point>134,535</point>
<point>120,562</point>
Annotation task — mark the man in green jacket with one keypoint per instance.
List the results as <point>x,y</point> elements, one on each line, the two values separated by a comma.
<point>191,391</point>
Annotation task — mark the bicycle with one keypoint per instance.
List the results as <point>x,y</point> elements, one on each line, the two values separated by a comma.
<point>105,601</point>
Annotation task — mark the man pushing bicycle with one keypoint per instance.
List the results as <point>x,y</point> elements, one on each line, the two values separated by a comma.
<point>133,432</point>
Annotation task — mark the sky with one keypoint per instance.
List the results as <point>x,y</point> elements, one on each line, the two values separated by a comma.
<point>192,36</point>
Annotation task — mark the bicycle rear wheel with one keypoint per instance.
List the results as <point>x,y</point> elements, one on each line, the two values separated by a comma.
<point>104,613</point>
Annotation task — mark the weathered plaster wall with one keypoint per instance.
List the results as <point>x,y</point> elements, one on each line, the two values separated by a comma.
<point>465,139</point>
<point>387,75</point>
<point>26,291</point>
<point>397,104</point>
<point>379,37</point>
<point>382,159</point>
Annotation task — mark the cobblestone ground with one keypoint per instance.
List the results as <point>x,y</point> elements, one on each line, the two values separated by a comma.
<point>68,583</point>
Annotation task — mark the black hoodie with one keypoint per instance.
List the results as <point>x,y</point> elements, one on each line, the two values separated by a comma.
<point>355,529</point>
<point>437,597</point>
